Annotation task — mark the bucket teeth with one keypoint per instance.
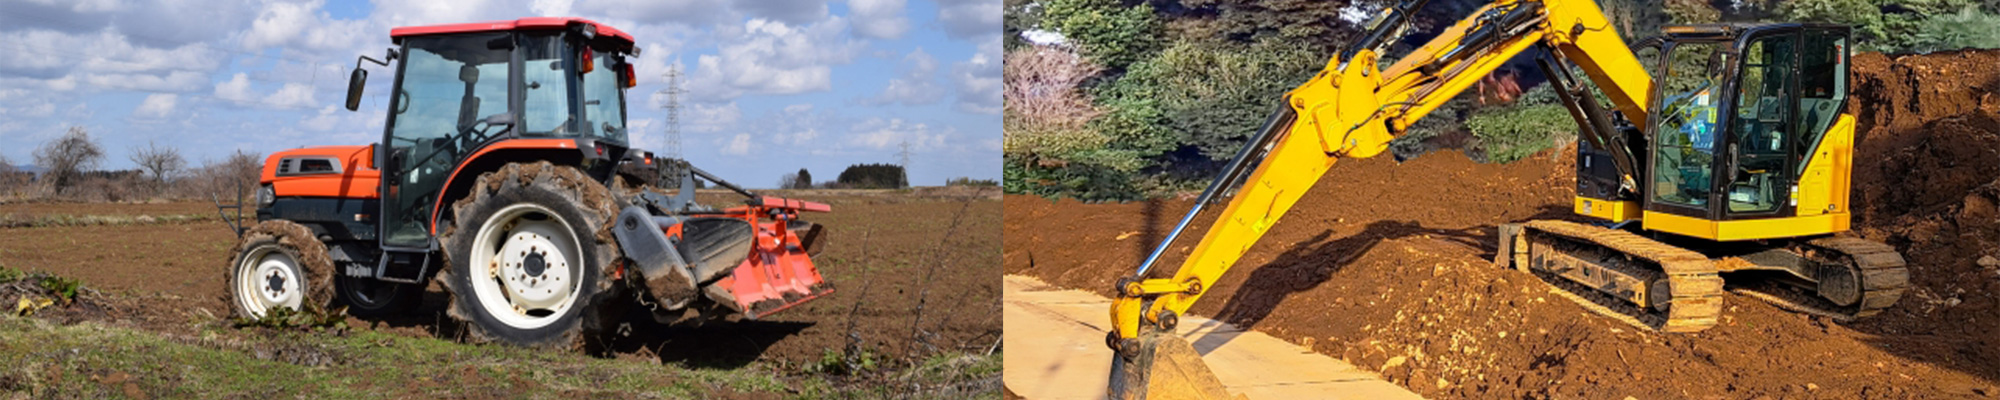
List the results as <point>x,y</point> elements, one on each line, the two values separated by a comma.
<point>1162,366</point>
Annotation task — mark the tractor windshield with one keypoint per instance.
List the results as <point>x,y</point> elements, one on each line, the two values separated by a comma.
<point>604,99</point>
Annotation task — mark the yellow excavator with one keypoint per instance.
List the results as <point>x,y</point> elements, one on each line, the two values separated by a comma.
<point>1731,159</point>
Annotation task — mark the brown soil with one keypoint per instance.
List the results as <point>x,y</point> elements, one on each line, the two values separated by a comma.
<point>1386,266</point>
<point>886,252</point>
<point>156,209</point>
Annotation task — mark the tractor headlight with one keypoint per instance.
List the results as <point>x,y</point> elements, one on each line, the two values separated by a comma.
<point>265,196</point>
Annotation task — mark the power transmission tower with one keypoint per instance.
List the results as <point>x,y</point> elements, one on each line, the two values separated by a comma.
<point>673,106</point>
<point>903,157</point>
<point>903,160</point>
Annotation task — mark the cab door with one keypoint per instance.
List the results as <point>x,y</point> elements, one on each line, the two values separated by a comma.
<point>1791,85</point>
<point>1763,130</point>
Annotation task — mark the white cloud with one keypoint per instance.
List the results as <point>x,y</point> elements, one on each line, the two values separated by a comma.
<point>879,133</point>
<point>709,118</point>
<point>280,23</point>
<point>158,105</point>
<point>237,89</point>
<point>968,19</point>
<point>176,81</point>
<point>683,12</point>
<point>881,19</point>
<point>551,8</point>
<point>738,145</point>
<point>978,80</point>
<point>788,11</point>
<point>292,95</point>
<point>915,84</point>
<point>770,57</point>
<point>327,118</point>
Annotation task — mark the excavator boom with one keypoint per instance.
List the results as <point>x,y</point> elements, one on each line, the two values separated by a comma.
<point>1352,110</point>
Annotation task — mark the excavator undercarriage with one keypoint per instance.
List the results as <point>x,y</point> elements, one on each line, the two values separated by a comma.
<point>1662,287</point>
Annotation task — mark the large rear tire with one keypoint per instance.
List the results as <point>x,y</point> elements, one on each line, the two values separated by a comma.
<point>529,258</point>
<point>279,263</point>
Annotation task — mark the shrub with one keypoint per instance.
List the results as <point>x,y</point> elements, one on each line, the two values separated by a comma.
<point>1512,133</point>
<point>874,176</point>
<point>1108,33</point>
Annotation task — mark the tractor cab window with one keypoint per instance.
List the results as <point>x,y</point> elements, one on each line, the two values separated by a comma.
<point>546,80</point>
<point>1687,130</point>
<point>450,85</point>
<point>604,99</point>
<point>1762,124</point>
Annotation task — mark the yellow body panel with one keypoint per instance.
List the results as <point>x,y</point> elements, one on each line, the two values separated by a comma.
<point>1829,173</point>
<point>1609,210</point>
<point>1746,229</point>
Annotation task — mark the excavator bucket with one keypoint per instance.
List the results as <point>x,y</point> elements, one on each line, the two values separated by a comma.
<point>1163,366</point>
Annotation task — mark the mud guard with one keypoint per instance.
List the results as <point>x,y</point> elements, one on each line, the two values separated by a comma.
<point>658,263</point>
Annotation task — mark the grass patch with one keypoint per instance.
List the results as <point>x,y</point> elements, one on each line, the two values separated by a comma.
<point>92,360</point>
<point>312,318</point>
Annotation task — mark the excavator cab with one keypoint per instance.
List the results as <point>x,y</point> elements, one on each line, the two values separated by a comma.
<point>1744,131</point>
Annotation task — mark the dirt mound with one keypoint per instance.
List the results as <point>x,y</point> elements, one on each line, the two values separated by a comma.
<point>1385,265</point>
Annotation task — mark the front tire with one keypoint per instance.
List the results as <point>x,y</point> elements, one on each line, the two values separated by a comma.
<point>528,257</point>
<point>279,263</point>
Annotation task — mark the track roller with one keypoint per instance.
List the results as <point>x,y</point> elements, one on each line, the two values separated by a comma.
<point>1617,274</point>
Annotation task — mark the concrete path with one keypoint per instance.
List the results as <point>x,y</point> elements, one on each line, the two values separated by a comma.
<point>1055,350</point>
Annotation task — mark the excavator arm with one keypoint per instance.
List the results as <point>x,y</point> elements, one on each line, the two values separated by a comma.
<point>1352,109</point>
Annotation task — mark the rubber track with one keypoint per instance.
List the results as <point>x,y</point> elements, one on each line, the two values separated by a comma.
<point>1697,290</point>
<point>1884,278</point>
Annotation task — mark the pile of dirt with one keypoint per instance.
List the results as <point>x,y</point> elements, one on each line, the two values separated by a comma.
<point>1386,265</point>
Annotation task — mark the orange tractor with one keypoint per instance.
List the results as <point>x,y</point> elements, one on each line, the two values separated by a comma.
<point>504,174</point>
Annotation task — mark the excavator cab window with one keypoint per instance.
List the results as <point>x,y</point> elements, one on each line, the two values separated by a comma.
<point>1688,124</point>
<point>1822,88</point>
<point>1763,128</point>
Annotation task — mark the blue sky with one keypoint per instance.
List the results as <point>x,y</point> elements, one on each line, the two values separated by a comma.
<point>773,85</point>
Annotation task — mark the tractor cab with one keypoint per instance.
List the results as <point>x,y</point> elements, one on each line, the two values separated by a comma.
<point>550,85</point>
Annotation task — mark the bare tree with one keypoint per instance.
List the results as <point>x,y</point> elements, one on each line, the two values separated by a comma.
<point>65,159</point>
<point>787,181</point>
<point>10,177</point>
<point>162,162</point>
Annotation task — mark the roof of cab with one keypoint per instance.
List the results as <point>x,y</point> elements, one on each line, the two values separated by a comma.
<point>529,23</point>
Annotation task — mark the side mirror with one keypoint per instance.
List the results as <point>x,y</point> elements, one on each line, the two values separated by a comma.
<point>359,78</point>
<point>355,82</point>
<point>500,119</point>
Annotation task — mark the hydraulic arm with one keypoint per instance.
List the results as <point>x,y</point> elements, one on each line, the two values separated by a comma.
<point>1353,109</point>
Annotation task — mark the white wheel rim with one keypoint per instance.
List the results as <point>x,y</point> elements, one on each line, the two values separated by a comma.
<point>268,279</point>
<point>524,266</point>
